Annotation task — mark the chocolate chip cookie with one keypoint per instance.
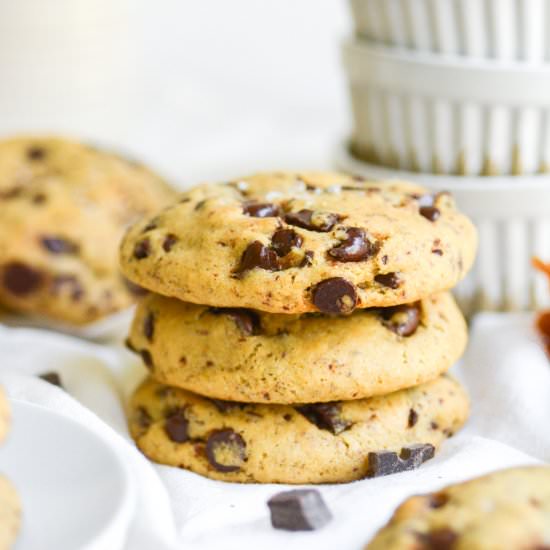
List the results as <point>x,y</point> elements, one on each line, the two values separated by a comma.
<point>505,510</point>
<point>10,513</point>
<point>314,443</point>
<point>302,242</point>
<point>64,207</point>
<point>246,355</point>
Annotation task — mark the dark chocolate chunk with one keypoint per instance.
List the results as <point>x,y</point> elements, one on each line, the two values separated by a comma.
<point>36,153</point>
<point>314,221</point>
<point>21,279</point>
<point>169,241</point>
<point>149,326</point>
<point>440,539</point>
<point>261,209</point>
<point>431,213</point>
<point>335,296</point>
<point>355,248</point>
<point>326,416</point>
<point>383,463</point>
<point>52,377</point>
<point>307,260</point>
<point>176,426</point>
<point>413,418</point>
<point>150,226</point>
<point>147,358</point>
<point>391,280</point>
<point>257,255</point>
<point>247,320</point>
<point>284,240</point>
<point>226,450</point>
<point>403,320</point>
<point>298,510</point>
<point>58,245</point>
<point>142,249</point>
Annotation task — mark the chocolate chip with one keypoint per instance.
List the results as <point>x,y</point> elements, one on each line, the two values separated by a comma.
<point>391,280</point>
<point>227,406</point>
<point>58,245</point>
<point>355,248</point>
<point>150,226</point>
<point>257,255</point>
<point>314,221</point>
<point>247,320</point>
<point>431,213</point>
<point>142,249</point>
<point>383,463</point>
<point>298,510</point>
<point>226,450</point>
<point>307,260</point>
<point>261,209</point>
<point>143,418</point>
<point>52,377</point>
<point>403,320</point>
<point>176,426</point>
<point>147,358</point>
<point>326,416</point>
<point>284,240</point>
<point>335,296</point>
<point>169,241</point>
<point>440,539</point>
<point>149,326</point>
<point>36,153</point>
<point>438,500</point>
<point>21,279</point>
<point>413,418</point>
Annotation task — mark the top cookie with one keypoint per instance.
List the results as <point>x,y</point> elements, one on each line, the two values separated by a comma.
<point>294,243</point>
<point>505,510</point>
<point>63,210</point>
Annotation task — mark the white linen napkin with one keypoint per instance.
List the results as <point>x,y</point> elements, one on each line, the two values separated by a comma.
<point>505,370</point>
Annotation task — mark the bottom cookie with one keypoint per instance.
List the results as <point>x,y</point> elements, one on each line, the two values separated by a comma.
<point>505,510</point>
<point>320,443</point>
<point>10,513</point>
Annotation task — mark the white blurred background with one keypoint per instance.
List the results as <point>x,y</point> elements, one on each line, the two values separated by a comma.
<point>198,88</point>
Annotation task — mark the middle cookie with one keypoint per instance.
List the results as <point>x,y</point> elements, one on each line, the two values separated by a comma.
<point>249,356</point>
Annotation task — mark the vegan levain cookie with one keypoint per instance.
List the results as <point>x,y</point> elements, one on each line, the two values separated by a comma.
<point>320,443</point>
<point>63,210</point>
<point>245,355</point>
<point>295,243</point>
<point>505,510</point>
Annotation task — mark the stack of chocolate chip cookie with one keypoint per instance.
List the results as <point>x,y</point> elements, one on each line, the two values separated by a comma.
<point>298,328</point>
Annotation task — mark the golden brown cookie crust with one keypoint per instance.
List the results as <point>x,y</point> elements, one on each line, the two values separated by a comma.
<point>505,510</point>
<point>344,244</point>
<point>277,443</point>
<point>244,355</point>
<point>64,207</point>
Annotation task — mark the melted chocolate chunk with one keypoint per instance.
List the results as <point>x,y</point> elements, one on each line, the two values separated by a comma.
<point>298,510</point>
<point>58,245</point>
<point>169,241</point>
<point>355,248</point>
<point>142,249</point>
<point>413,418</point>
<point>383,463</point>
<point>176,426</point>
<point>326,416</point>
<point>403,320</point>
<point>257,255</point>
<point>284,240</point>
<point>261,209</point>
<point>36,153</point>
<point>391,280</point>
<point>335,296</point>
<point>20,279</point>
<point>226,450</point>
<point>314,221</point>
<point>53,378</point>
<point>247,320</point>
<point>431,213</point>
<point>440,539</point>
<point>149,326</point>
<point>307,260</point>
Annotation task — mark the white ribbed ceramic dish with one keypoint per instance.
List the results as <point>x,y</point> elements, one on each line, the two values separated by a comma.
<point>512,215</point>
<point>441,114</point>
<point>495,29</point>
